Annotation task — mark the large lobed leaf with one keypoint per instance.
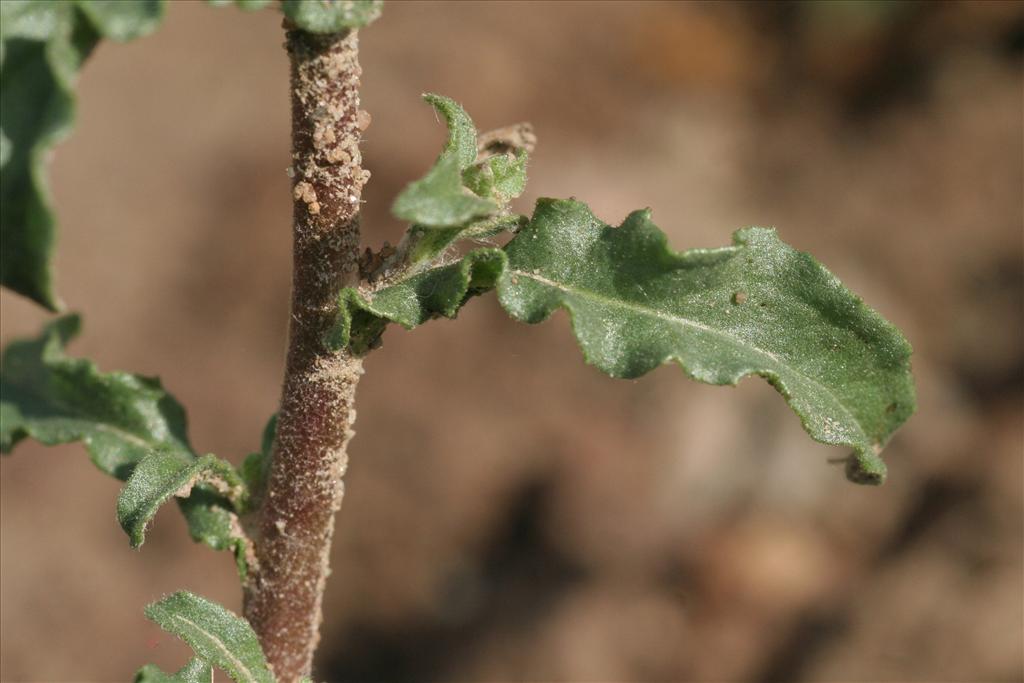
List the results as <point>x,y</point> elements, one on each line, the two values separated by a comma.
<point>755,308</point>
<point>132,429</point>
<point>42,46</point>
<point>218,637</point>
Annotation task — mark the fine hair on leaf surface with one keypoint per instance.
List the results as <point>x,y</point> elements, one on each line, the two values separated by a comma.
<point>755,307</point>
<point>219,637</point>
<point>758,307</point>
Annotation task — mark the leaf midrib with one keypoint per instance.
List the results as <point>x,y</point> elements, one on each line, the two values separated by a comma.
<point>652,312</point>
<point>223,648</point>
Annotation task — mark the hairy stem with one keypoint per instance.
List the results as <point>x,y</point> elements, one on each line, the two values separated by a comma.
<point>283,598</point>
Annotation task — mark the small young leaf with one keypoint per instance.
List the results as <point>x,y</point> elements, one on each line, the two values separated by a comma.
<point>439,291</point>
<point>438,199</point>
<point>412,301</point>
<point>196,671</point>
<point>213,521</point>
<point>219,637</point>
<point>461,142</point>
<point>256,466</point>
<point>42,46</point>
<point>450,204</point>
<point>501,178</point>
<point>426,245</point>
<point>163,474</point>
<point>331,16</point>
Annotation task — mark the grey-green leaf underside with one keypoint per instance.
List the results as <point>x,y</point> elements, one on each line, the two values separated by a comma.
<point>757,307</point>
<point>42,46</point>
<point>131,427</point>
<point>218,637</point>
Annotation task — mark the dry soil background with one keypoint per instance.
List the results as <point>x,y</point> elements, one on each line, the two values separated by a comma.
<point>511,513</point>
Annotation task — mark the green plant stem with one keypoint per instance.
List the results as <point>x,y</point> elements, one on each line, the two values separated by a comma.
<point>283,598</point>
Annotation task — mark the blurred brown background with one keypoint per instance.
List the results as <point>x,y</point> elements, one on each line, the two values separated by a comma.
<point>512,514</point>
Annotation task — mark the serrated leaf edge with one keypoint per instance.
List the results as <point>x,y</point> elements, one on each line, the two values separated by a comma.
<point>869,466</point>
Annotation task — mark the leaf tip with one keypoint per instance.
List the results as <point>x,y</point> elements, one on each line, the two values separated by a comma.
<point>865,468</point>
<point>66,327</point>
<point>439,102</point>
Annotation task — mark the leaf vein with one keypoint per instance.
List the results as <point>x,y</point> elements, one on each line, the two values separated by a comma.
<point>652,312</point>
<point>216,641</point>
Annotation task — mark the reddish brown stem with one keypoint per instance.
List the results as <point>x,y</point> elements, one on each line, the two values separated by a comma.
<point>283,597</point>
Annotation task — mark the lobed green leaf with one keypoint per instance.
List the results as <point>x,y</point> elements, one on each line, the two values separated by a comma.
<point>756,308</point>
<point>120,417</point>
<point>196,671</point>
<point>217,636</point>
<point>331,16</point>
<point>43,44</point>
<point>123,420</point>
